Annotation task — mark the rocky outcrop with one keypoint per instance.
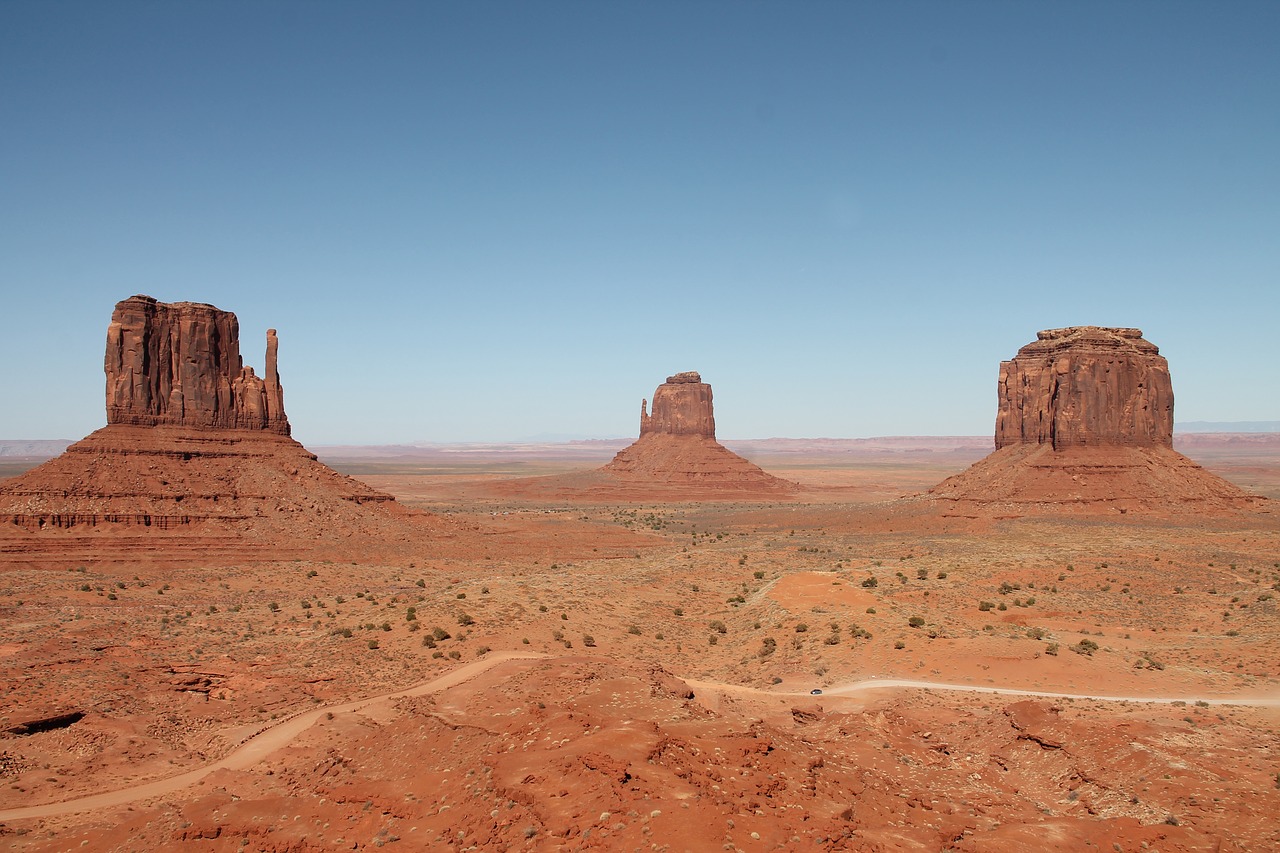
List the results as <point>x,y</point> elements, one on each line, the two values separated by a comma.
<point>1086,386</point>
<point>1085,424</point>
<point>179,365</point>
<point>677,447</point>
<point>681,406</point>
<point>195,442</point>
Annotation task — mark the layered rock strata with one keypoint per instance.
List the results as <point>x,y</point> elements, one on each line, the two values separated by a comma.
<point>677,445</point>
<point>193,438</point>
<point>1085,422</point>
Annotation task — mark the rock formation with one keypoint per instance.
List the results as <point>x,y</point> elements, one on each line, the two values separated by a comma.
<point>1085,422</point>
<point>193,438</point>
<point>677,446</point>
<point>180,365</point>
<point>1086,386</point>
<point>681,406</point>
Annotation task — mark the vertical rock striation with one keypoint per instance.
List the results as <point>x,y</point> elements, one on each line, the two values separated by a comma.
<point>179,365</point>
<point>1085,425</point>
<point>1086,386</point>
<point>681,406</point>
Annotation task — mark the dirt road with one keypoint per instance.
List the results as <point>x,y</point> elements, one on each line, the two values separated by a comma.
<point>263,744</point>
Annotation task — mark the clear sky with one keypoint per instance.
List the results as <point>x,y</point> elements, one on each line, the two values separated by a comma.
<point>478,221</point>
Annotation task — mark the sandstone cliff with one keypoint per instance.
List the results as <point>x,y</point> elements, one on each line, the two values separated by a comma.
<point>1085,424</point>
<point>195,441</point>
<point>681,406</point>
<point>1086,386</point>
<point>179,365</point>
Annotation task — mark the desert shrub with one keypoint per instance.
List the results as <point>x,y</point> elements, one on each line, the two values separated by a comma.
<point>1051,649</point>
<point>942,576</point>
<point>712,640</point>
<point>273,607</point>
<point>679,611</point>
<point>1085,647</point>
<point>373,644</point>
<point>984,606</point>
<point>455,655</point>
<point>758,575</point>
<point>420,583</point>
<point>898,644</point>
<point>801,627</point>
<point>768,646</point>
<point>922,574</point>
<point>588,641</point>
<point>1036,633</point>
<point>633,629</point>
<point>440,633</point>
<point>870,583</point>
<point>718,626</point>
<point>465,619</point>
<point>916,621</point>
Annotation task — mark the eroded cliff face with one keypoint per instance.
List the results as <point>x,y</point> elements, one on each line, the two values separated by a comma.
<point>179,365</point>
<point>681,406</point>
<point>1086,386</point>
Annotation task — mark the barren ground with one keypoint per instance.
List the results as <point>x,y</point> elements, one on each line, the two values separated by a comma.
<point>659,694</point>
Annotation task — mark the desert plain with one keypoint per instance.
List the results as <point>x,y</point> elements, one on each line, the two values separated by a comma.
<point>542,666</point>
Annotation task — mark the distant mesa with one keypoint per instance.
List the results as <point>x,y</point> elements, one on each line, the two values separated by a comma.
<point>193,438</point>
<point>677,445</point>
<point>1085,421</point>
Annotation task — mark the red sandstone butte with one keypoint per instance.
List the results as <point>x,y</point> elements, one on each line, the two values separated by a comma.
<point>1085,423</point>
<point>677,445</point>
<point>179,365</point>
<point>681,406</point>
<point>1086,386</point>
<point>195,440</point>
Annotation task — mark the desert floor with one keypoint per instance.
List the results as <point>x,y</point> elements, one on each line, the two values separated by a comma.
<point>559,672</point>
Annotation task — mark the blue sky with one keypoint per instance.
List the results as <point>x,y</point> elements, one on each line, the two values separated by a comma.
<point>495,220</point>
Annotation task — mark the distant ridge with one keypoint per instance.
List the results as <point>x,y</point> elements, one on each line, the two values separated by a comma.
<point>1227,426</point>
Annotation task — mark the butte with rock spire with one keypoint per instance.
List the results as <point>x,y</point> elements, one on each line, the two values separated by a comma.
<point>195,442</point>
<point>1085,423</point>
<point>677,445</point>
